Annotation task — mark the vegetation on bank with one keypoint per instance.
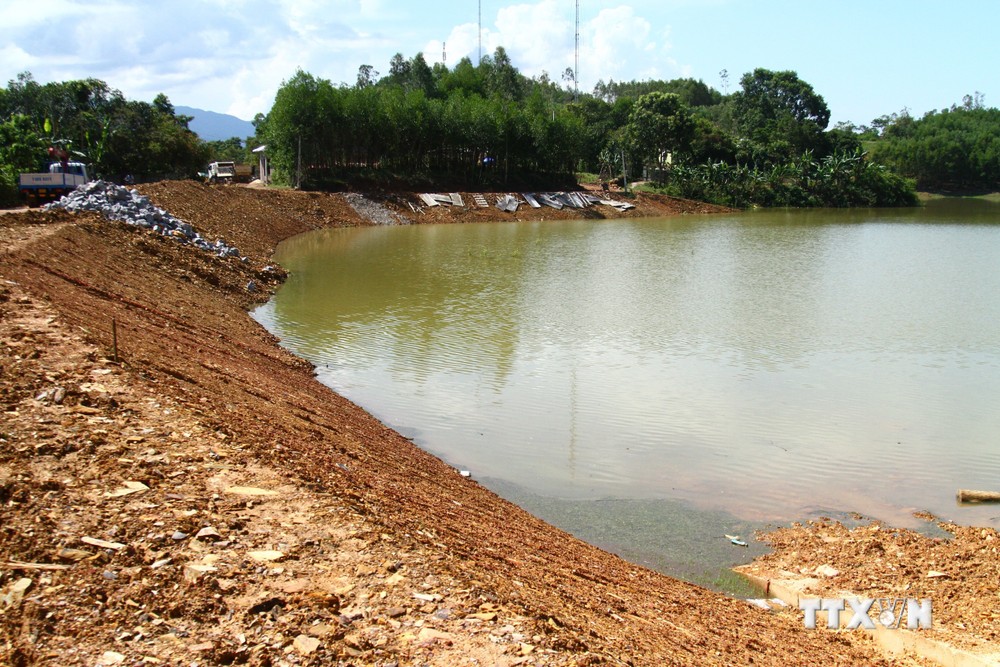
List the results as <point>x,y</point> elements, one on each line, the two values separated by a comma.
<point>488,126</point>
<point>96,125</point>
<point>955,150</point>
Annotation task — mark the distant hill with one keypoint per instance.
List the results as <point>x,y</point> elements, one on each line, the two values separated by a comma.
<point>212,126</point>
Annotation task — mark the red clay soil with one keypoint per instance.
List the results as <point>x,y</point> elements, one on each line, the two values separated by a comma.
<point>205,500</point>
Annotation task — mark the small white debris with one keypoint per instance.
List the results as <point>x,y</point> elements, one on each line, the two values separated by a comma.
<point>16,592</point>
<point>128,489</point>
<point>827,571</point>
<point>305,644</point>
<point>103,544</point>
<point>250,491</point>
<point>110,658</point>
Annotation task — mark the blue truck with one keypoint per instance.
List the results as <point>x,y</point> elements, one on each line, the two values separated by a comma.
<point>61,178</point>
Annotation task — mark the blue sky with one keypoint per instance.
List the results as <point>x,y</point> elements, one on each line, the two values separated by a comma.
<point>865,57</point>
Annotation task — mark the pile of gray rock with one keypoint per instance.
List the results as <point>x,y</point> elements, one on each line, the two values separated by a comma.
<point>374,211</point>
<point>119,203</point>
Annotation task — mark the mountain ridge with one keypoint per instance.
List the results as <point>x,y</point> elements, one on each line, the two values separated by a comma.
<point>215,126</point>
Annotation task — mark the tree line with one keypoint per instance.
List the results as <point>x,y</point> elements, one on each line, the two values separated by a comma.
<point>95,124</point>
<point>952,150</point>
<point>486,125</point>
<point>472,125</point>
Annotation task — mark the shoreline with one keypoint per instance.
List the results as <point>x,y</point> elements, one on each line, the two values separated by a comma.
<point>411,563</point>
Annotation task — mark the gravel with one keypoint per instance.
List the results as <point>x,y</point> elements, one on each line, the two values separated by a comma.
<point>374,211</point>
<point>119,203</point>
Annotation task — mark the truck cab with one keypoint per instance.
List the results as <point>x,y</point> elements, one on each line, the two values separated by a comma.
<point>228,172</point>
<point>74,168</point>
<point>221,172</point>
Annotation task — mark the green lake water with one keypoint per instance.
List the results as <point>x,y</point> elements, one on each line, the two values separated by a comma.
<point>651,385</point>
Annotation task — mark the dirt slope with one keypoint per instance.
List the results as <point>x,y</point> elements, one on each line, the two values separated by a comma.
<point>206,501</point>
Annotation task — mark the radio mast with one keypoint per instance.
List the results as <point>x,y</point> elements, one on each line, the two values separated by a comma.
<point>576,64</point>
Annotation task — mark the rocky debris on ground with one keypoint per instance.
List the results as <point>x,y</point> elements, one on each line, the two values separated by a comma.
<point>959,571</point>
<point>375,211</point>
<point>135,531</point>
<point>116,202</point>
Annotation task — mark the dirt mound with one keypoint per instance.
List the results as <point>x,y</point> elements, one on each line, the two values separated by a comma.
<point>255,220</point>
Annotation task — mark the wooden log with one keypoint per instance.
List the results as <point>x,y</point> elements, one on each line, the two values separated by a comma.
<point>969,496</point>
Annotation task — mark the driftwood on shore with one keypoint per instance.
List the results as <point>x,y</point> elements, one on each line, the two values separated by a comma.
<point>970,496</point>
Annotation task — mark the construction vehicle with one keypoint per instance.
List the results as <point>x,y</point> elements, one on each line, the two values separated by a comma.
<point>229,172</point>
<point>62,178</point>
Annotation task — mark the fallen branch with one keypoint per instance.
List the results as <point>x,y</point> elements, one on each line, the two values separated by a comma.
<point>968,496</point>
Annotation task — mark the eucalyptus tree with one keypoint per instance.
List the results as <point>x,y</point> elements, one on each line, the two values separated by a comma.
<point>694,93</point>
<point>296,125</point>
<point>502,79</point>
<point>952,150</point>
<point>465,78</point>
<point>367,76</point>
<point>422,76</point>
<point>364,127</point>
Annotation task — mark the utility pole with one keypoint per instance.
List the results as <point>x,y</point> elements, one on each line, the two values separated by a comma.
<point>298,168</point>
<point>480,32</point>
<point>624,172</point>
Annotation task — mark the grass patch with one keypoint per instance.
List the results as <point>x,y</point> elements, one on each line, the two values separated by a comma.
<point>645,186</point>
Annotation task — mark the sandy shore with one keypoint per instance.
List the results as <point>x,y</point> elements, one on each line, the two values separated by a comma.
<point>203,500</point>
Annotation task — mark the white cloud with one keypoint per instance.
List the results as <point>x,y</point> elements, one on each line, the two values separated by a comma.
<point>540,37</point>
<point>461,42</point>
<point>624,45</point>
<point>537,36</point>
<point>17,60</point>
<point>21,16</point>
<point>232,55</point>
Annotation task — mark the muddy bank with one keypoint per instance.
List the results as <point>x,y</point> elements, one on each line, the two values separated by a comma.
<point>204,500</point>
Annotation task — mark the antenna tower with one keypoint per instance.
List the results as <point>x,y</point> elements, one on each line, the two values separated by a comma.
<point>576,64</point>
